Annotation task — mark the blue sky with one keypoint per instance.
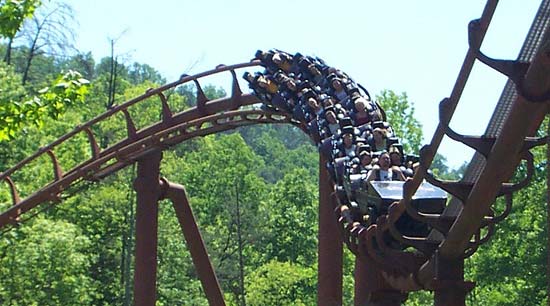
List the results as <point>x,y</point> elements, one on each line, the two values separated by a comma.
<point>415,47</point>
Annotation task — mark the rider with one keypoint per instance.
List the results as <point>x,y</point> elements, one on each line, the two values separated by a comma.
<point>384,171</point>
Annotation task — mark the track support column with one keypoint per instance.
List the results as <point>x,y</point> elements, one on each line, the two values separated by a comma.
<point>360,275</point>
<point>449,286</point>
<point>371,288</point>
<point>330,250</point>
<point>148,193</point>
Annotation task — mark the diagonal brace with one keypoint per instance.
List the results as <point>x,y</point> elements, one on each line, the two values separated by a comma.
<point>176,193</point>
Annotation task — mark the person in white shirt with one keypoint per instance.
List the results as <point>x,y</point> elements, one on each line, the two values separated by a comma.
<point>384,171</point>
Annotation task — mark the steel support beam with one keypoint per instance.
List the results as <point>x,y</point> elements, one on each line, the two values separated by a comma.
<point>449,286</point>
<point>360,275</point>
<point>330,249</point>
<point>547,244</point>
<point>371,288</point>
<point>148,193</point>
<point>176,193</point>
<point>504,156</point>
<point>524,117</point>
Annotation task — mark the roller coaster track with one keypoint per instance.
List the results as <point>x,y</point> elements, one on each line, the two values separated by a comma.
<point>518,115</point>
<point>457,230</point>
<point>442,254</point>
<point>206,118</point>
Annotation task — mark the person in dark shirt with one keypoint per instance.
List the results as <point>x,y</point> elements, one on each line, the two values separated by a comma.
<point>360,115</point>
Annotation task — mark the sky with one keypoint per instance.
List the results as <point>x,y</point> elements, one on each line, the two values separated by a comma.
<point>416,47</point>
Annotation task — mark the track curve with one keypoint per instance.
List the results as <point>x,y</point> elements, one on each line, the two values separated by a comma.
<point>403,270</point>
<point>208,117</point>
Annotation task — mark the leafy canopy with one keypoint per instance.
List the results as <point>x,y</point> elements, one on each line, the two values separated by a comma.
<point>18,110</point>
<point>13,13</point>
<point>400,114</point>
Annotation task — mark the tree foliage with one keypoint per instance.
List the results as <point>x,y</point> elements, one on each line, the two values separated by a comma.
<point>13,13</point>
<point>24,107</point>
<point>47,264</point>
<point>282,283</point>
<point>400,114</point>
<point>291,213</point>
<point>49,31</point>
<point>18,110</point>
<point>254,191</point>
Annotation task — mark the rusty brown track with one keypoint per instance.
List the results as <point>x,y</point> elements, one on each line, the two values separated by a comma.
<point>503,154</point>
<point>212,116</point>
<point>208,117</point>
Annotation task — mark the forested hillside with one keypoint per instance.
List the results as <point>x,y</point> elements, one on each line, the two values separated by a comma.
<point>253,191</point>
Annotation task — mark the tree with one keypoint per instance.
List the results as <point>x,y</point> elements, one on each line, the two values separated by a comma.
<point>291,212</point>
<point>17,109</point>
<point>190,93</point>
<point>50,31</point>
<point>283,149</point>
<point>400,114</point>
<point>46,262</point>
<point>81,62</point>
<point>220,173</point>
<point>120,77</point>
<point>442,171</point>
<point>140,73</point>
<point>69,89</point>
<point>282,283</point>
<point>12,15</point>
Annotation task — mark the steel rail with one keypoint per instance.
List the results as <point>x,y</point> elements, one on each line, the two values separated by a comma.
<point>502,161</point>
<point>92,168</point>
<point>120,108</point>
<point>410,281</point>
<point>62,180</point>
<point>451,103</point>
<point>174,129</point>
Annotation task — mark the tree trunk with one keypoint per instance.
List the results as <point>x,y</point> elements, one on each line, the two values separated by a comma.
<point>240,240</point>
<point>7,57</point>
<point>127,249</point>
<point>112,77</point>
<point>30,57</point>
